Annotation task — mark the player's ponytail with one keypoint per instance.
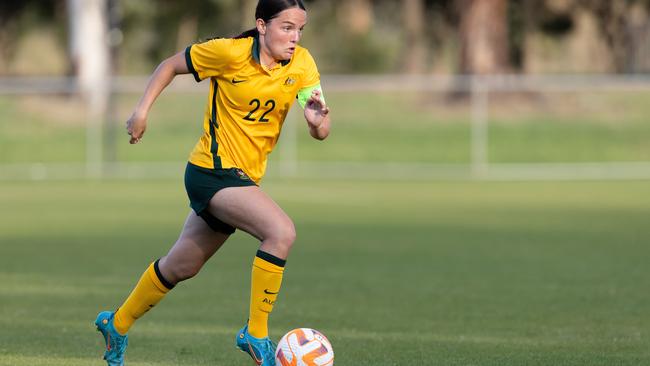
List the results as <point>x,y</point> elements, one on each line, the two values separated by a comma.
<point>269,9</point>
<point>249,33</point>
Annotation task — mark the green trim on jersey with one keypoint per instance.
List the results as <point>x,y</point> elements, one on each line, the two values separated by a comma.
<point>256,52</point>
<point>237,131</point>
<point>190,67</point>
<point>305,93</point>
<point>214,145</point>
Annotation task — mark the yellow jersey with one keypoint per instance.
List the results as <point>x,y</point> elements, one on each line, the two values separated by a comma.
<point>247,103</point>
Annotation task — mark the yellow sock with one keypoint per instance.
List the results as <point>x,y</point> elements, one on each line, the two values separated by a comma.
<point>151,288</point>
<point>266,278</point>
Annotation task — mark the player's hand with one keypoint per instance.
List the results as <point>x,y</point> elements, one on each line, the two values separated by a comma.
<point>315,109</point>
<point>135,127</point>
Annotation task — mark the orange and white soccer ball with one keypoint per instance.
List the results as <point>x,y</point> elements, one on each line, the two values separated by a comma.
<point>304,347</point>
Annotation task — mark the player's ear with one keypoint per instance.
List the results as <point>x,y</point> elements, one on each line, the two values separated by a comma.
<point>261,26</point>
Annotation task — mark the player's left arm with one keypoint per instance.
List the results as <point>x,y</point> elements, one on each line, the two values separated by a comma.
<point>311,98</point>
<point>317,114</point>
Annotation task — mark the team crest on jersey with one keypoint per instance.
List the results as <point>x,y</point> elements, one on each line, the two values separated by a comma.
<point>290,81</point>
<point>241,174</point>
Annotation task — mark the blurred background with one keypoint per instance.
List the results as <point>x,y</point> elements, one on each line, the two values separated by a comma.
<point>353,36</point>
<point>483,197</point>
<point>458,88</point>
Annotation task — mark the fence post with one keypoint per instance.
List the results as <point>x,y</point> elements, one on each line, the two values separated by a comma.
<point>90,52</point>
<point>479,126</point>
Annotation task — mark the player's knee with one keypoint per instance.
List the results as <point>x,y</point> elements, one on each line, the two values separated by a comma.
<point>284,235</point>
<point>185,271</point>
<point>290,235</point>
<point>179,267</point>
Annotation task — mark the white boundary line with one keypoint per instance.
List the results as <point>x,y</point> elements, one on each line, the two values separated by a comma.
<point>347,170</point>
<point>479,169</point>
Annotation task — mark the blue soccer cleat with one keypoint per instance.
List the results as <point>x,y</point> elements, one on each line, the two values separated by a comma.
<point>261,350</point>
<point>115,342</point>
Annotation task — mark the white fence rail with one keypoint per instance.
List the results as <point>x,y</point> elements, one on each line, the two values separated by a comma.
<point>478,89</point>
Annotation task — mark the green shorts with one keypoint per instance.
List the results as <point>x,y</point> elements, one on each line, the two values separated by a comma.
<point>201,184</point>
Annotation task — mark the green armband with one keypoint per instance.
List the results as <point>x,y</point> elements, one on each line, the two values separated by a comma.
<point>305,93</point>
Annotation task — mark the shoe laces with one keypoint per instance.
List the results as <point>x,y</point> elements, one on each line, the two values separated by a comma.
<point>269,346</point>
<point>118,344</point>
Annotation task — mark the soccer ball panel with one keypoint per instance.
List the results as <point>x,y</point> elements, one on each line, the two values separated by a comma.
<point>304,347</point>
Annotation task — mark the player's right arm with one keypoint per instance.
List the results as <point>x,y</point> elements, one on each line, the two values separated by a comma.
<point>161,77</point>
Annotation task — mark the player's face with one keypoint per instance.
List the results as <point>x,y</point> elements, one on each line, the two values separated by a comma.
<point>283,32</point>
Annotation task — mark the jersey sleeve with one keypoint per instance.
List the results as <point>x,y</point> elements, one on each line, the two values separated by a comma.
<point>310,81</point>
<point>209,58</point>
<point>311,76</point>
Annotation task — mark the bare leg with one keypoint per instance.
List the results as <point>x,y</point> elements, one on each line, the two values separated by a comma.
<point>252,210</point>
<point>195,245</point>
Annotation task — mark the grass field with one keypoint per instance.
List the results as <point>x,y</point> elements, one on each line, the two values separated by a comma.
<point>394,273</point>
<point>445,273</point>
<point>409,127</point>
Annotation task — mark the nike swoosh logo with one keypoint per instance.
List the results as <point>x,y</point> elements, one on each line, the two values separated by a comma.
<point>237,81</point>
<point>266,291</point>
<point>252,353</point>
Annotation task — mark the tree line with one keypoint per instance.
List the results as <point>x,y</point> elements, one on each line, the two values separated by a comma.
<point>371,36</point>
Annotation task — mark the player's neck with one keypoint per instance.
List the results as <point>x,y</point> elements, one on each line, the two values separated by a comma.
<point>266,60</point>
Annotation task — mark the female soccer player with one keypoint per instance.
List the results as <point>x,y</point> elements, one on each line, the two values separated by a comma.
<point>254,79</point>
